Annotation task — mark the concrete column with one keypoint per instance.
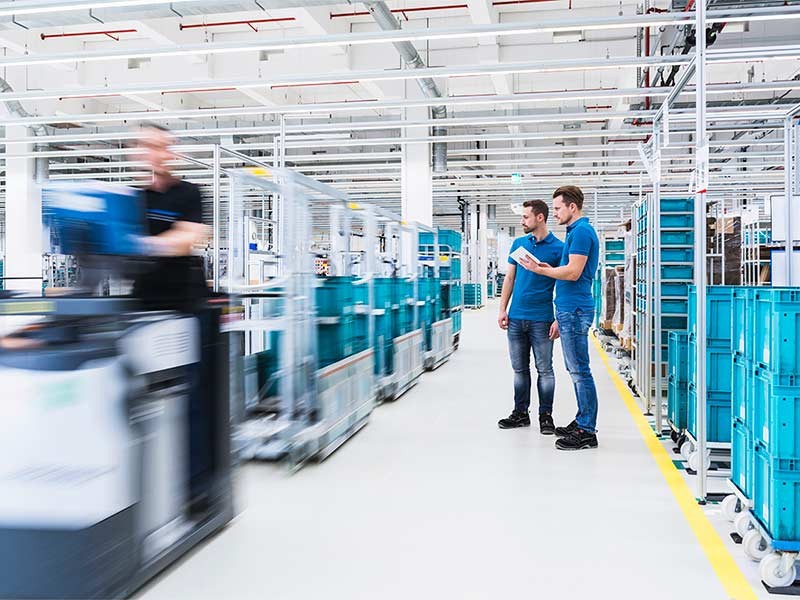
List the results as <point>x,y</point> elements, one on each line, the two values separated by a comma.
<point>23,257</point>
<point>416,175</point>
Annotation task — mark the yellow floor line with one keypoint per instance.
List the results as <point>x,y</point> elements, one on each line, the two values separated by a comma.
<point>731,577</point>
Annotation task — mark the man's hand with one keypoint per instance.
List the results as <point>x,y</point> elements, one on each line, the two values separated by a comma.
<point>554,333</point>
<point>502,320</point>
<point>534,267</point>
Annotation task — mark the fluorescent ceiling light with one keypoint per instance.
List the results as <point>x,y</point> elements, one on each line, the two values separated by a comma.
<point>38,8</point>
<point>562,37</point>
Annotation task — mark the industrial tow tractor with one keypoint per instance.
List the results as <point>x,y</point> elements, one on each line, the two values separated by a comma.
<point>114,441</point>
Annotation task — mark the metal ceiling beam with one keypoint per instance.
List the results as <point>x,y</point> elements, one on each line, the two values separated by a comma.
<point>491,30</point>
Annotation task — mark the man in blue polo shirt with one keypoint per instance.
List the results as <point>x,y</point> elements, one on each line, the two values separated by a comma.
<point>575,312</point>
<point>530,321</point>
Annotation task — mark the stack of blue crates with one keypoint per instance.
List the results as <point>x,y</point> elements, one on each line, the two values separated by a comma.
<point>719,363</point>
<point>340,334</point>
<point>451,295</point>
<point>676,220</point>
<point>430,294</point>
<point>678,379</point>
<point>472,295</point>
<point>766,446</point>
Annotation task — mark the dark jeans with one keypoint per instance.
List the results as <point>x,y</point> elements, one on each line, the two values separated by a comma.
<point>522,337</point>
<point>574,329</point>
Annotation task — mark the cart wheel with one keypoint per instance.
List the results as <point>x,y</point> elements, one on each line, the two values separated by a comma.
<point>742,523</point>
<point>674,436</point>
<point>694,461</point>
<point>686,449</point>
<point>755,546</point>
<point>731,506</point>
<point>772,573</point>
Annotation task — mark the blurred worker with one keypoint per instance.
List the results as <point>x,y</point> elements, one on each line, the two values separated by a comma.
<point>575,311</point>
<point>174,277</point>
<point>530,321</point>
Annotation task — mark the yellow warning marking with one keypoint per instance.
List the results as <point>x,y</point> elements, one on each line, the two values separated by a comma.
<point>353,206</point>
<point>728,572</point>
<point>259,172</point>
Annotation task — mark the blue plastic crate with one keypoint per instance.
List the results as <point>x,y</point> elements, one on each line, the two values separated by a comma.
<point>719,328</point>
<point>674,307</point>
<point>718,415</point>
<point>742,458</point>
<point>776,413</point>
<point>335,296</point>
<point>776,494</point>
<point>615,257</point>
<point>742,384</point>
<point>678,359</point>
<point>673,323</point>
<point>615,245</point>
<point>677,272</point>
<point>675,290</point>
<point>776,343</point>
<point>336,341</point>
<point>677,255</point>
<point>672,220</point>
<point>742,312</point>
<point>719,368</point>
<point>677,402</point>
<point>456,321</point>
<point>677,205</point>
<point>677,238</point>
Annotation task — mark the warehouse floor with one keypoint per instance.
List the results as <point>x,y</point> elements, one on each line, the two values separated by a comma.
<point>432,500</point>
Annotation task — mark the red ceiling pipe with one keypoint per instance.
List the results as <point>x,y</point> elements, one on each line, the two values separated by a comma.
<point>110,33</point>
<point>88,96</point>
<point>293,85</point>
<point>248,22</point>
<point>688,6</point>
<point>199,91</point>
<point>403,11</point>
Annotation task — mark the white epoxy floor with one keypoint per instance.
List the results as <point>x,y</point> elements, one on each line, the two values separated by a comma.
<point>432,500</point>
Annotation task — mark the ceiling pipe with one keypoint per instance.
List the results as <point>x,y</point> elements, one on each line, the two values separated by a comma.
<point>248,22</point>
<point>385,19</point>
<point>109,33</point>
<point>437,7</point>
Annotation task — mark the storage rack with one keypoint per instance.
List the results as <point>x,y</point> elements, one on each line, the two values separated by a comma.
<point>446,312</point>
<point>661,291</point>
<point>612,255</point>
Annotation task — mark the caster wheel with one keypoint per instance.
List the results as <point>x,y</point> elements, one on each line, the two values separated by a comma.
<point>755,546</point>
<point>731,506</point>
<point>694,461</point>
<point>686,449</point>
<point>674,436</point>
<point>771,571</point>
<point>742,523</point>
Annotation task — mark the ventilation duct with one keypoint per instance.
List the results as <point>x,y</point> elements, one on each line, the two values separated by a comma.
<point>386,20</point>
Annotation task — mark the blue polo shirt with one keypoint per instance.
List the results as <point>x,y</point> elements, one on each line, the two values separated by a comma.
<point>581,239</point>
<point>532,299</point>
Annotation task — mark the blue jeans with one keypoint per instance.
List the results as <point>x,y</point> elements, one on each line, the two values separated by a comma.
<point>522,337</point>
<point>574,329</point>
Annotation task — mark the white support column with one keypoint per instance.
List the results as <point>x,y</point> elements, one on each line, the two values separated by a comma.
<point>416,175</point>
<point>473,243</point>
<point>483,250</point>
<point>701,166</point>
<point>23,217</point>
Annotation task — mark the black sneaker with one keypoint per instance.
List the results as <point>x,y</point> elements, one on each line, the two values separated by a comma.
<point>565,431</point>
<point>546,425</point>
<point>577,440</point>
<point>514,420</point>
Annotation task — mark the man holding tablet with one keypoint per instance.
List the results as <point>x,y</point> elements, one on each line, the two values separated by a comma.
<point>530,321</point>
<point>574,311</point>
